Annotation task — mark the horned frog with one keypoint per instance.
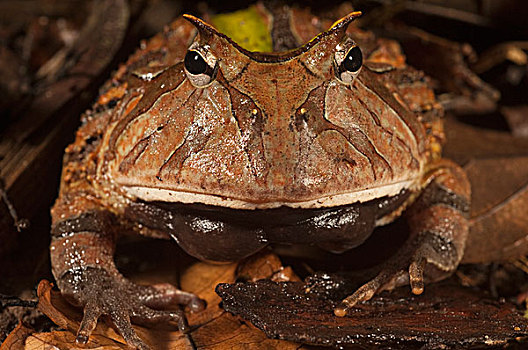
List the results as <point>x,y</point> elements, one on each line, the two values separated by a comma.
<point>227,150</point>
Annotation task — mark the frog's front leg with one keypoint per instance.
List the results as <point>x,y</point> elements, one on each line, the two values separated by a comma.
<point>82,250</point>
<point>438,231</point>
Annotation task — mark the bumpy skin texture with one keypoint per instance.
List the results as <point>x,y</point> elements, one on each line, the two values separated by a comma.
<point>274,149</point>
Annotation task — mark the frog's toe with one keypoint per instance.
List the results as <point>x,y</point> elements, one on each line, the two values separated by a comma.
<point>432,256</point>
<point>121,320</point>
<point>386,279</point>
<point>149,317</point>
<point>364,293</point>
<point>435,258</point>
<point>438,251</point>
<point>88,323</point>
<point>164,295</point>
<point>416,275</point>
<point>104,293</point>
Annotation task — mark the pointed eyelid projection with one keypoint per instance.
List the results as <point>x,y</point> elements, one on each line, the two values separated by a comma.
<point>336,32</point>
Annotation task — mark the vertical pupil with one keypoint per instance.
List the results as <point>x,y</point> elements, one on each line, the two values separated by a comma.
<point>194,63</point>
<point>353,60</point>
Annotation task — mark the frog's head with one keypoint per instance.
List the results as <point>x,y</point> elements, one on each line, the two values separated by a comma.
<point>234,128</point>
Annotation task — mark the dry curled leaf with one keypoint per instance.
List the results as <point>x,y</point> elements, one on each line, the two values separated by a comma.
<point>17,338</point>
<point>462,91</point>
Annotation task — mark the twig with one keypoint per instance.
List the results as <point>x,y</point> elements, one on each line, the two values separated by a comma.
<point>20,224</point>
<point>396,6</point>
<point>8,301</point>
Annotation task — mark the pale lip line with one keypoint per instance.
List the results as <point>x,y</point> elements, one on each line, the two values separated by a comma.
<point>172,196</point>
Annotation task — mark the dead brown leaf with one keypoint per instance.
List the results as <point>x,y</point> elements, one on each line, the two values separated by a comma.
<point>213,328</point>
<point>499,220</point>
<point>466,142</point>
<point>64,340</point>
<point>16,339</point>
<point>517,117</point>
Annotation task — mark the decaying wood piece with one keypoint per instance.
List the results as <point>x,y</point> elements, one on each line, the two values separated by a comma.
<point>447,315</point>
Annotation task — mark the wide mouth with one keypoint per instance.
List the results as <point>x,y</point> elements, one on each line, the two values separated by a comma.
<point>278,217</point>
<point>150,194</point>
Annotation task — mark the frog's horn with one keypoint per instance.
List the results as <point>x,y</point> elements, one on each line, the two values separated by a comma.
<point>207,31</point>
<point>341,25</point>
<point>328,39</point>
<point>204,28</point>
<point>335,33</point>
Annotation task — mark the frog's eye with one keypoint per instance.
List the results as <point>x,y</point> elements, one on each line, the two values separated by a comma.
<point>348,60</point>
<point>200,66</point>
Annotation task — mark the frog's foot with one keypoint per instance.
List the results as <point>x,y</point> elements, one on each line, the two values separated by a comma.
<point>104,293</point>
<point>430,250</point>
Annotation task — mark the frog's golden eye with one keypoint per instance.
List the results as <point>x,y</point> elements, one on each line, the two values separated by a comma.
<point>200,66</point>
<point>348,60</point>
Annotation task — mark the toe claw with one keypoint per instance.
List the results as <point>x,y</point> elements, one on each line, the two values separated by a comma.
<point>197,304</point>
<point>341,310</point>
<point>88,323</point>
<point>82,339</point>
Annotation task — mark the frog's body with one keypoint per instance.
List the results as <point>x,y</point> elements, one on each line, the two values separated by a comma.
<point>227,150</point>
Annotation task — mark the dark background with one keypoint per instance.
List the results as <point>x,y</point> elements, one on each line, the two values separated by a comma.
<point>34,129</point>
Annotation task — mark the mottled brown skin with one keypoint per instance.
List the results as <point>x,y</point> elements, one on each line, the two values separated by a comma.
<point>274,150</point>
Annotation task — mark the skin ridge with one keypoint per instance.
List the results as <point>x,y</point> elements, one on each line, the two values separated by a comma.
<point>411,120</point>
<point>146,103</point>
<point>370,156</point>
<point>255,137</point>
<point>401,142</point>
